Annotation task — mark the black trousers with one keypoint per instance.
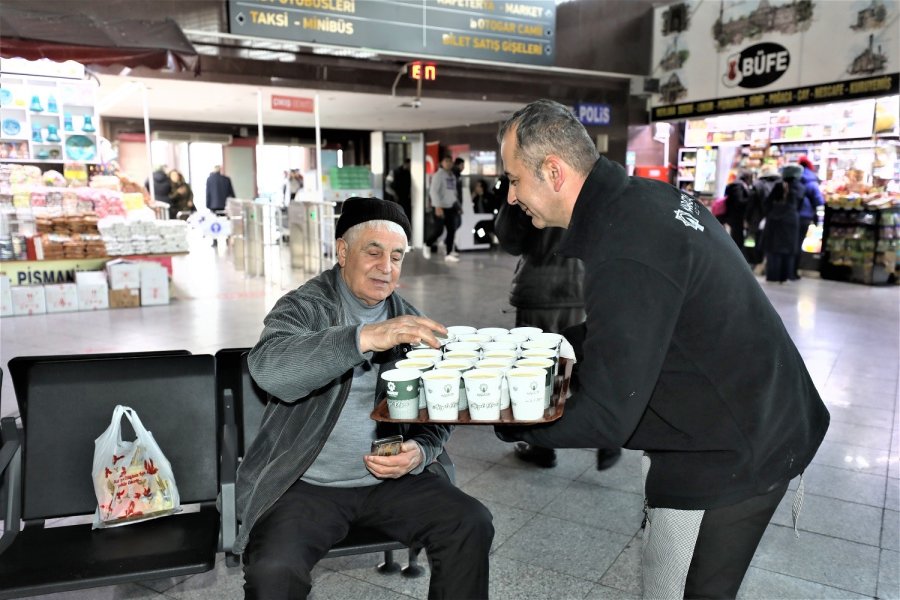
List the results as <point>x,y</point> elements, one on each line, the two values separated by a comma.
<point>452,220</point>
<point>455,529</point>
<point>737,232</point>
<point>726,543</point>
<point>704,553</point>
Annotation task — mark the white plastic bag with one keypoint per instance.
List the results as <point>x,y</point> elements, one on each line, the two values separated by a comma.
<point>133,481</point>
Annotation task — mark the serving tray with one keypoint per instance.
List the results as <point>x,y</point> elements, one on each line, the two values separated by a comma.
<point>557,406</point>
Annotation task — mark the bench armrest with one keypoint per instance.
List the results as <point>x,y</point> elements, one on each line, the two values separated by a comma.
<point>227,471</point>
<point>10,480</point>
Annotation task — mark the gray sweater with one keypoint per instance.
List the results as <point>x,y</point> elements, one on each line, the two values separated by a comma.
<point>442,192</point>
<point>339,463</point>
<point>305,359</point>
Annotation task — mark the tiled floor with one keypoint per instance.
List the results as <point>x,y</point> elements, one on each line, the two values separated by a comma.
<point>567,532</point>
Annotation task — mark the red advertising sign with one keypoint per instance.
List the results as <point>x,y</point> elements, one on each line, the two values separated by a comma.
<point>292,103</point>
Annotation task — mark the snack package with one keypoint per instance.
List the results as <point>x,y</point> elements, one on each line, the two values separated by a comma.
<point>133,481</point>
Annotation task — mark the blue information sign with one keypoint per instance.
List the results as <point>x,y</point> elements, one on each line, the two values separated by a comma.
<point>593,114</point>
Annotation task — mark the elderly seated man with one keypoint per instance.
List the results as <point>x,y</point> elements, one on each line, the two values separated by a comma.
<point>309,475</point>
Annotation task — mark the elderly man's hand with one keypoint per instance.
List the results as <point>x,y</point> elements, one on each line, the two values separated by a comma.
<point>408,329</point>
<point>392,467</point>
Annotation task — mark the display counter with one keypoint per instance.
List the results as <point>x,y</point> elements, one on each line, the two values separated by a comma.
<point>861,244</point>
<point>38,272</point>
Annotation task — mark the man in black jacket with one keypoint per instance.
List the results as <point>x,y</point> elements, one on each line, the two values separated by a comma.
<point>663,362</point>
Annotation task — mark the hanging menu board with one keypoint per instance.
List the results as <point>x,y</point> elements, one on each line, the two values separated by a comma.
<point>520,31</point>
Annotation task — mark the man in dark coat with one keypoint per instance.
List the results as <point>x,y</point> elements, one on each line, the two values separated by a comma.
<point>660,369</point>
<point>218,190</point>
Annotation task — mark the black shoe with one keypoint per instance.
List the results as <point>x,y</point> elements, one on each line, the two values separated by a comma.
<point>607,458</point>
<point>542,457</point>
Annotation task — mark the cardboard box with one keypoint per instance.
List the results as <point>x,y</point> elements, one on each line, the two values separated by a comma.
<point>6,306</point>
<point>126,298</point>
<point>123,274</point>
<point>28,300</point>
<point>93,291</point>
<point>61,297</point>
<point>154,284</point>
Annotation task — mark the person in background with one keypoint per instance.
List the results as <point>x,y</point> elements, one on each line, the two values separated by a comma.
<point>458,165</point>
<point>547,292</point>
<point>737,197</point>
<point>399,185</point>
<point>445,201</point>
<point>218,190</point>
<point>484,202</point>
<point>483,199</point>
<point>181,197</point>
<point>309,475</point>
<point>768,178</point>
<point>723,430</point>
<point>781,209</point>
<point>162,185</point>
<point>293,183</point>
<point>808,211</point>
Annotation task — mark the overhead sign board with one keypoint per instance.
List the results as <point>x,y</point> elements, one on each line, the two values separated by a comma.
<point>292,103</point>
<point>520,31</point>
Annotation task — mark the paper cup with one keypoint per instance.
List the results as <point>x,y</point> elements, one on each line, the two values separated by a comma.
<point>422,365</point>
<point>483,389</point>
<point>460,366</point>
<point>547,365</point>
<point>526,393</point>
<point>516,338</point>
<point>508,345</point>
<point>432,354</point>
<point>493,332</point>
<point>549,338</point>
<point>501,354</point>
<point>469,355</point>
<point>503,366</point>
<point>526,331</point>
<point>442,394</point>
<point>443,340</point>
<point>547,353</point>
<point>402,393</point>
<point>458,330</point>
<point>464,346</point>
<point>478,338</point>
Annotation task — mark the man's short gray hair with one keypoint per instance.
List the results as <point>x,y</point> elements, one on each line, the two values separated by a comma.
<point>546,127</point>
<point>351,236</point>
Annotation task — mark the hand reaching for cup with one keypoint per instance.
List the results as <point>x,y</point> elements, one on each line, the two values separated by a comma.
<point>398,465</point>
<point>407,329</point>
